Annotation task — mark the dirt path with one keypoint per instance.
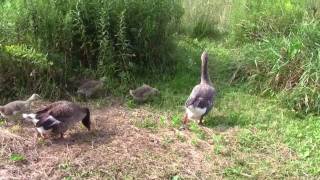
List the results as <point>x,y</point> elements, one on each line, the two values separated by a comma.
<point>115,149</point>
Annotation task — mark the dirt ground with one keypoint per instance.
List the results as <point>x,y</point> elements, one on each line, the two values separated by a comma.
<point>116,148</point>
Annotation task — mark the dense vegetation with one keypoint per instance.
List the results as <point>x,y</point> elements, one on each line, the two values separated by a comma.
<point>280,49</point>
<point>278,43</point>
<point>115,39</point>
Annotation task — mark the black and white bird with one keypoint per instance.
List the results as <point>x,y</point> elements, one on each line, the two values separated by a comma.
<point>58,117</point>
<point>201,99</point>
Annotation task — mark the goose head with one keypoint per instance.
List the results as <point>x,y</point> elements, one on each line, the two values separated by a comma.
<point>34,97</point>
<point>155,91</point>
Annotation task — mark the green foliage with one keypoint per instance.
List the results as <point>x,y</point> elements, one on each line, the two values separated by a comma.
<point>254,20</point>
<point>176,120</point>
<point>147,123</point>
<point>116,39</point>
<point>194,127</point>
<point>25,70</point>
<point>279,51</point>
<point>17,157</point>
<point>205,18</point>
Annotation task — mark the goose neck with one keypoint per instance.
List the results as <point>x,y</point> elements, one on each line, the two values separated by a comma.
<point>204,72</point>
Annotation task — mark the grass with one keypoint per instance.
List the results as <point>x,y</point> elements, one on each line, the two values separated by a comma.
<point>17,157</point>
<point>269,134</point>
<point>246,135</point>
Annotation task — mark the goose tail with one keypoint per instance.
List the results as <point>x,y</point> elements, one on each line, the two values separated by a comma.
<point>86,120</point>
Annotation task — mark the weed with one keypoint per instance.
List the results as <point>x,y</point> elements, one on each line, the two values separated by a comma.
<point>2,122</point>
<point>17,157</point>
<point>147,123</point>
<point>65,166</point>
<point>176,120</point>
<point>176,177</point>
<point>181,137</point>
<point>195,142</point>
<point>218,144</point>
<point>194,127</point>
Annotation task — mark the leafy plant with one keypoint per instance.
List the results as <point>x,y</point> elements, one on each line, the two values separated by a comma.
<point>15,157</point>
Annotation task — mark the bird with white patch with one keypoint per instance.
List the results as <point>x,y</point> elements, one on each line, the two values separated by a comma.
<point>58,117</point>
<point>201,99</point>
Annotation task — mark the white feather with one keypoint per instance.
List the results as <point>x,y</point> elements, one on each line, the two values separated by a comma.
<point>2,115</point>
<point>55,121</point>
<point>31,117</point>
<point>41,130</point>
<point>195,112</point>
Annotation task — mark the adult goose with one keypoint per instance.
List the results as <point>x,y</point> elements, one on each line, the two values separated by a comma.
<point>201,99</point>
<point>58,117</point>
<point>18,106</point>
<point>143,93</point>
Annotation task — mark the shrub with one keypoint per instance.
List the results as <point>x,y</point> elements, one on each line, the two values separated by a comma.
<point>281,53</point>
<point>118,39</point>
<point>24,70</point>
<point>205,18</point>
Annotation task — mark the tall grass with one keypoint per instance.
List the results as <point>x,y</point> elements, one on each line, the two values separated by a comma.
<point>118,39</point>
<point>280,49</point>
<point>205,18</point>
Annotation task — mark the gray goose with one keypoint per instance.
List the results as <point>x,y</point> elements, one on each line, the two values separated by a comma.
<point>90,87</point>
<point>143,93</point>
<point>201,99</point>
<point>58,117</point>
<point>18,106</point>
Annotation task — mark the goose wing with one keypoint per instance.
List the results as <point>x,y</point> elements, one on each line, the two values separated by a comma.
<point>90,84</point>
<point>63,111</point>
<point>142,91</point>
<point>60,110</point>
<point>201,97</point>
<point>49,107</point>
<point>47,123</point>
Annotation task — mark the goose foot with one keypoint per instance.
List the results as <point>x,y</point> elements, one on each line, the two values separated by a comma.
<point>44,136</point>
<point>182,127</point>
<point>184,122</point>
<point>200,122</point>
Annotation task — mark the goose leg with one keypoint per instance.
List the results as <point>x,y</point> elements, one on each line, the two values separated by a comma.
<point>44,136</point>
<point>200,121</point>
<point>61,136</point>
<point>35,138</point>
<point>185,121</point>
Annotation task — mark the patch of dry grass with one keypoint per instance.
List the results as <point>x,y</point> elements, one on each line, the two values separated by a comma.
<point>119,149</point>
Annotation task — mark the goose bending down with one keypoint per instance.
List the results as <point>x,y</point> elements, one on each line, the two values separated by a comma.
<point>18,106</point>
<point>90,87</point>
<point>201,99</point>
<point>58,117</point>
<point>142,93</point>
